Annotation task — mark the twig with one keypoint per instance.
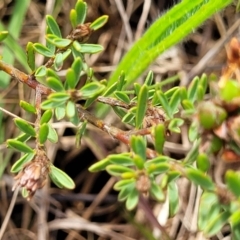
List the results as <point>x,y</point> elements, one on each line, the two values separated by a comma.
<point>143,19</point>
<point>210,54</point>
<point>143,204</point>
<point>125,19</point>
<point>24,78</point>
<point>117,133</point>
<point>9,212</point>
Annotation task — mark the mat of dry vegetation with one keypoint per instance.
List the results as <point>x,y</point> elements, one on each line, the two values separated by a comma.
<point>91,210</point>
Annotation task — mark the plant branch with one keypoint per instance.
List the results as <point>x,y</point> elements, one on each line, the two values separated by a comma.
<point>24,78</point>
<point>143,204</point>
<point>117,133</point>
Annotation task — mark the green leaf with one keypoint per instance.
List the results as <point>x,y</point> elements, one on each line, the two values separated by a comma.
<point>55,84</point>
<point>149,79</point>
<point>52,134</point>
<point>58,42</point>
<point>232,179</point>
<point>75,120</point>
<point>132,199</point>
<point>99,22</point>
<point>52,73</point>
<point>124,183</point>
<point>164,102</point>
<point>235,232</point>
<point>61,97</point>
<point>169,93</point>
<point>22,147</point>
<point>230,90</point>
<point>128,118</point>
<point>187,105</point>
<point>40,74</point>
<point>61,177</point>
<point>80,132</point>
<point>203,82</point>
<point>81,9</point>
<point>208,210</point>
<point>3,35</point>
<point>91,48</point>
<point>58,61</point>
<point>30,56</point>
<point>215,226</point>
<point>199,178</point>
<point>175,100</point>
<point>200,93</point>
<point>73,18</point>
<point>122,97</point>
<point>157,168</point>
<point>23,137</point>
<point>71,80</point>
<point>77,66</point>
<point>53,26</point>
<point>24,192</point>
<point>121,159</point>
<point>70,109</point>
<point>137,88</point>
<point>49,44</point>
<point>46,117</point>
<point>193,131</point>
<point>174,125</point>
<point>119,111</point>
<point>142,105</point>
<point>173,198</point>
<point>43,50</point>
<point>91,89</point>
<point>138,145</point>
<point>100,166</point>
<point>172,175</point>
<point>18,165</point>
<point>156,192</point>
<point>193,153</point>
<point>192,90</point>
<point>66,53</point>
<point>49,104</point>
<point>43,133</point>
<point>121,81</point>
<point>126,191</point>
<point>60,112</point>
<point>110,90</point>
<point>235,218</point>
<point>27,107</point>
<point>157,160</point>
<point>159,137</point>
<point>117,170</point>
<point>24,126</point>
<point>203,162</point>
<point>139,162</point>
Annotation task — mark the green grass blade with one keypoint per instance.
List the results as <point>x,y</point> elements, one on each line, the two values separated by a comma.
<point>14,29</point>
<point>168,30</point>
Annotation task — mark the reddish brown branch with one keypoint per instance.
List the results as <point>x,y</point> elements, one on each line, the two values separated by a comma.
<point>24,78</point>
<point>117,133</point>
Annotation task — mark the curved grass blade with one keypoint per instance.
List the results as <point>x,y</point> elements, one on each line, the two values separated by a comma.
<point>168,30</point>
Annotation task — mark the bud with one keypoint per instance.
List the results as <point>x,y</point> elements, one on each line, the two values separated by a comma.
<point>210,116</point>
<point>143,184</point>
<point>81,33</point>
<point>34,174</point>
<point>153,117</point>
